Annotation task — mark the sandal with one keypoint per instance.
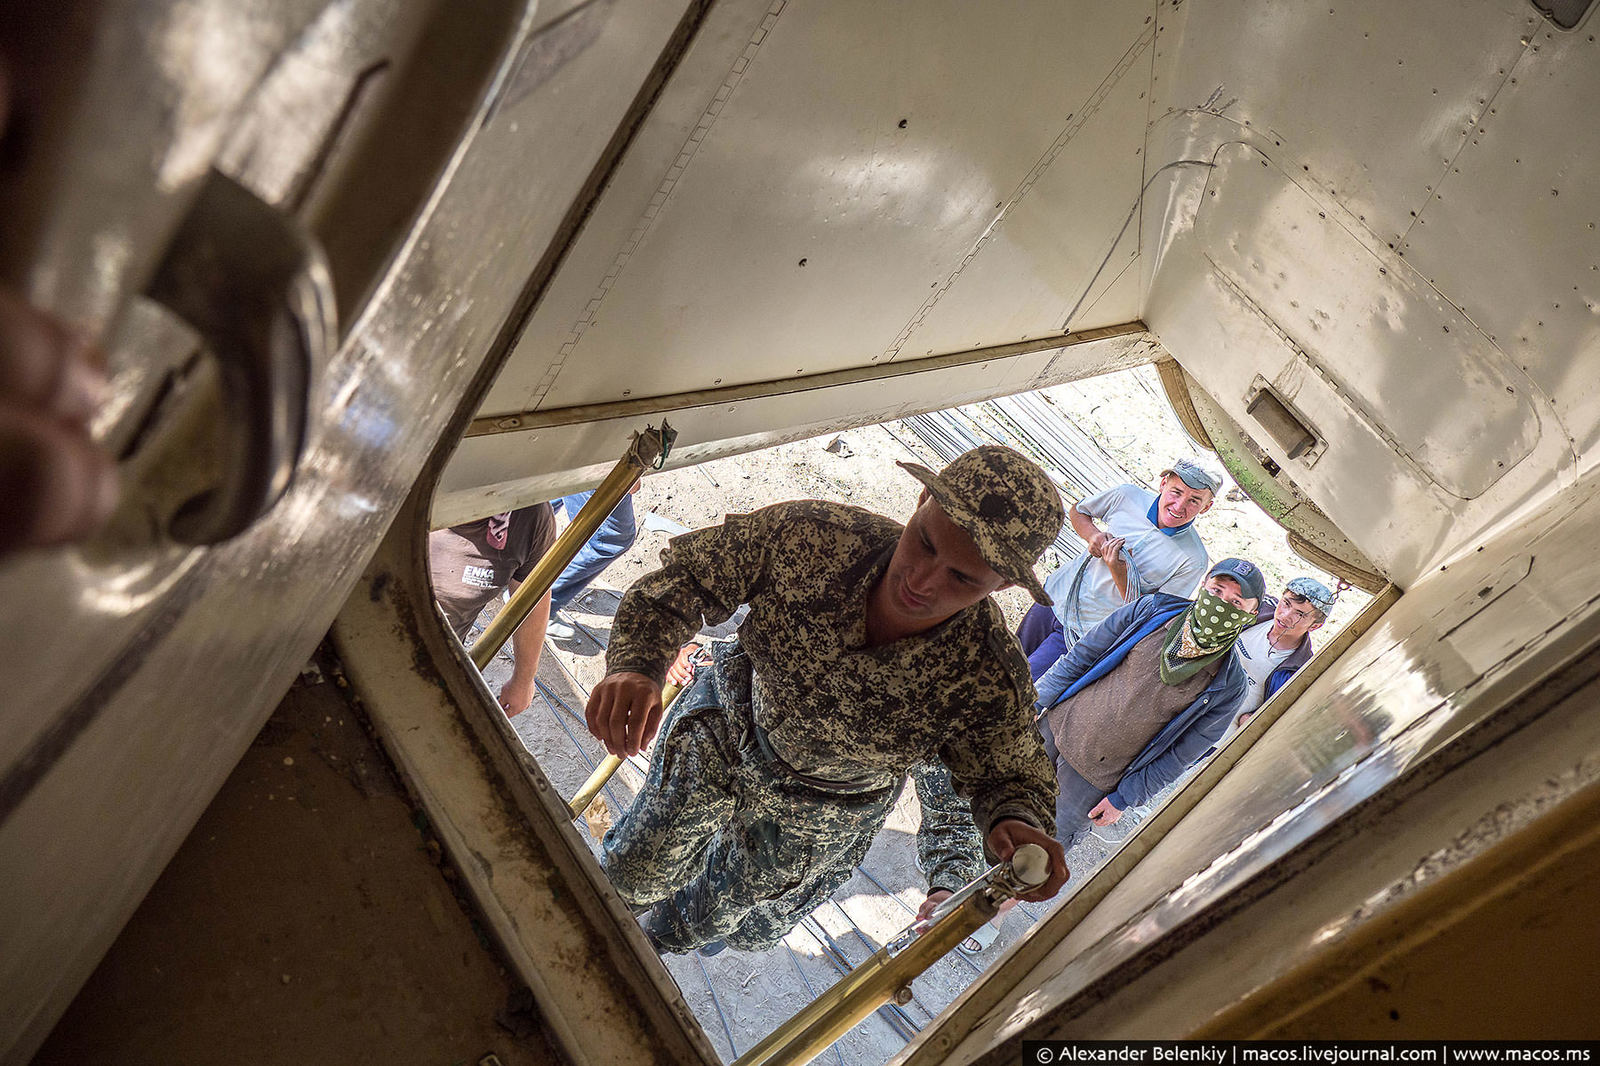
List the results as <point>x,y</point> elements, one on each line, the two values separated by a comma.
<point>981,938</point>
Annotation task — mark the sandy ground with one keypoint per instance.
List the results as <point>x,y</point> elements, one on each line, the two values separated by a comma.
<point>1128,415</point>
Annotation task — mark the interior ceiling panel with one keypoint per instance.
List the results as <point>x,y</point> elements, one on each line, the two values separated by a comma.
<point>1511,234</point>
<point>1307,282</point>
<point>1306,273</point>
<point>799,223</point>
<point>1379,141</point>
<point>689,102</point>
<point>1065,230</point>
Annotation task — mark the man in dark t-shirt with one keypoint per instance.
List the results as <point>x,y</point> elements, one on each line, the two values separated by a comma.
<point>471,564</point>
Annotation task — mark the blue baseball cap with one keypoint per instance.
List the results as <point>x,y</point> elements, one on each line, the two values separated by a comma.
<point>1246,573</point>
<point>1311,589</point>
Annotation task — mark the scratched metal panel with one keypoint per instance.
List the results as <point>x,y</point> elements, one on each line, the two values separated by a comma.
<point>1410,514</point>
<point>1119,290</point>
<point>1450,402</point>
<point>1224,341</point>
<point>1512,233</point>
<point>1344,91</point>
<point>1263,279</point>
<point>1069,230</point>
<point>804,158</point>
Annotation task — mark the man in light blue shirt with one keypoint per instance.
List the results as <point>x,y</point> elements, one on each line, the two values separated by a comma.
<point>1139,542</point>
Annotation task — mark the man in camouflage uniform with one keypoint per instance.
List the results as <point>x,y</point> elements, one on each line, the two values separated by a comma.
<point>869,647</point>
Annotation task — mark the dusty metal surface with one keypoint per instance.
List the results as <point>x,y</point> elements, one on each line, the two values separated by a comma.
<point>271,934</point>
<point>1520,885</point>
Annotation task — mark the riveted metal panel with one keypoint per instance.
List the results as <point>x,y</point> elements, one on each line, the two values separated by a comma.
<point>1512,233</point>
<point>801,226</point>
<point>1453,407</point>
<point>1068,231</point>
<point>666,142</point>
<point>1343,88</point>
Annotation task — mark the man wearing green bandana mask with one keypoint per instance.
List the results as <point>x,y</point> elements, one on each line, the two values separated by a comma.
<point>1144,695</point>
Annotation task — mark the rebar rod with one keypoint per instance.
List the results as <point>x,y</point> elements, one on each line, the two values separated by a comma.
<point>717,1002</point>
<point>811,992</point>
<point>639,763</point>
<point>586,631</point>
<point>549,697</point>
<point>866,942</point>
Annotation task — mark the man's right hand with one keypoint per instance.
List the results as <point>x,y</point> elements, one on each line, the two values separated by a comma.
<point>1105,812</point>
<point>624,712</point>
<point>1008,834</point>
<point>1111,548</point>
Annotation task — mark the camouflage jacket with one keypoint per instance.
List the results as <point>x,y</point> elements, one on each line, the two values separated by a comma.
<point>831,707</point>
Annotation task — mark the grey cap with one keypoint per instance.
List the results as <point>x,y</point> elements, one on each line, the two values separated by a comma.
<point>1315,591</point>
<point>1246,573</point>
<point>1196,474</point>
<point>1006,503</point>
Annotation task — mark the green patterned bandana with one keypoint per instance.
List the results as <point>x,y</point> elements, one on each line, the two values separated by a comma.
<point>1201,635</point>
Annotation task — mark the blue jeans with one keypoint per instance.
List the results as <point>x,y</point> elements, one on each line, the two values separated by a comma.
<point>615,536</point>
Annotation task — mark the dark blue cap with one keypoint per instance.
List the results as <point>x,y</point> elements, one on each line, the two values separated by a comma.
<point>1246,573</point>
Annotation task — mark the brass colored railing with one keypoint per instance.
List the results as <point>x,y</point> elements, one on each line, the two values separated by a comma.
<point>646,449</point>
<point>886,976</point>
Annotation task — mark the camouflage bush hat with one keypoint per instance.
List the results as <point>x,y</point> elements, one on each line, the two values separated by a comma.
<point>1005,502</point>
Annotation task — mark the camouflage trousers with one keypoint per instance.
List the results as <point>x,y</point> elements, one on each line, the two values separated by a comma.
<point>739,845</point>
